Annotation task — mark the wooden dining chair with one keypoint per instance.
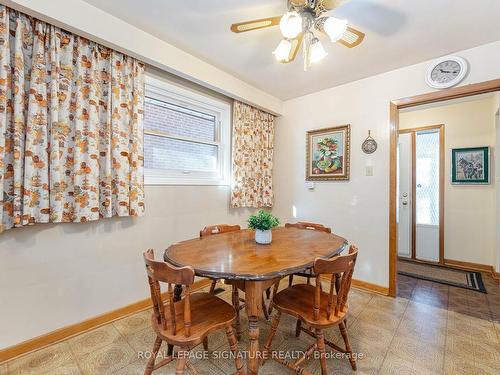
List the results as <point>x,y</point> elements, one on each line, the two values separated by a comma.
<point>238,303</point>
<point>317,310</point>
<point>188,322</point>
<point>308,274</point>
<point>217,229</point>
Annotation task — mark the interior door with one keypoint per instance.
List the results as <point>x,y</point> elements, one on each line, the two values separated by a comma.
<point>404,214</point>
<point>420,196</point>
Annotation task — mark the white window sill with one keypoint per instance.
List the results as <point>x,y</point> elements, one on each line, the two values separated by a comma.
<point>158,181</point>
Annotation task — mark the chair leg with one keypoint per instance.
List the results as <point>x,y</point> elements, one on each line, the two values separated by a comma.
<point>275,291</point>
<point>272,333</point>
<point>151,363</point>
<point>212,287</point>
<point>181,363</point>
<point>205,344</point>
<point>264,308</point>
<point>233,346</point>
<point>236,305</point>
<point>290,280</point>
<point>298,328</point>
<point>320,340</point>
<point>348,348</point>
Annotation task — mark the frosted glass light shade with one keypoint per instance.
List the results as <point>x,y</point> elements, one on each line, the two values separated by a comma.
<point>283,50</point>
<point>291,25</point>
<point>335,28</point>
<point>317,51</point>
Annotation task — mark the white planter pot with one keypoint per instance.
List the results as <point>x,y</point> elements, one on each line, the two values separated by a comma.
<point>263,237</point>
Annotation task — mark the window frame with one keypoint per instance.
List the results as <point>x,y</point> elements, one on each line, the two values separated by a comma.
<point>162,90</point>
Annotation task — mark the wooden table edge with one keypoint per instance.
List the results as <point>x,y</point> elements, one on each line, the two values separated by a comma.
<point>250,277</point>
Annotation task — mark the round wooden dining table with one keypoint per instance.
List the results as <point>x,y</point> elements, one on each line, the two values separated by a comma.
<point>253,267</point>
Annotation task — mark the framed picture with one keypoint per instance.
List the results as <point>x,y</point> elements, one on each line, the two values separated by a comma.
<point>470,165</point>
<point>328,153</point>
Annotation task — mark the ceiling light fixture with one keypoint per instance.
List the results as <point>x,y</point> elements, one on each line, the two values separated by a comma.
<point>334,28</point>
<point>301,26</point>
<point>317,51</point>
<point>291,25</point>
<point>282,52</point>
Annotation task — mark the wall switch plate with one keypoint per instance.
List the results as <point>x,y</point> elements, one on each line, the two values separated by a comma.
<point>311,186</point>
<point>369,170</point>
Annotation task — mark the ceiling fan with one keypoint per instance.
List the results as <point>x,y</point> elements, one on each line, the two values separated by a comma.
<point>300,26</point>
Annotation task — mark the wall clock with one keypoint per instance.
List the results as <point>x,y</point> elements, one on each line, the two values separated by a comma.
<point>446,72</point>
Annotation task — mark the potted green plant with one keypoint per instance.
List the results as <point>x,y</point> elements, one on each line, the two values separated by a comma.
<point>262,223</point>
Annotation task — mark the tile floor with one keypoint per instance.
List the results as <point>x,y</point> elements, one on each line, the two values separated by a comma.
<point>427,329</point>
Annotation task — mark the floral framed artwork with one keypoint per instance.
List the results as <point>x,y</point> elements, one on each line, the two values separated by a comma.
<point>470,165</point>
<point>328,153</point>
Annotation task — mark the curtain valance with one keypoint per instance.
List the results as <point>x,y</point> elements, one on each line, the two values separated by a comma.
<point>253,145</point>
<point>71,126</point>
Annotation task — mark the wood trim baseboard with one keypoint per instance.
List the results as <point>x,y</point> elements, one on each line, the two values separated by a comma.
<point>64,333</point>
<point>473,266</point>
<point>364,285</point>
<point>375,288</point>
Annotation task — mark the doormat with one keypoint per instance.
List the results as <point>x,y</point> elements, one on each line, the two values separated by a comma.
<point>443,275</point>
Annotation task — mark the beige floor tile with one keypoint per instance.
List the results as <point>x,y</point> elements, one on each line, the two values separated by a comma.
<point>379,317</point>
<point>458,365</point>
<point>42,361</point>
<point>69,369</point>
<point>370,356</point>
<point>208,368</point>
<point>142,341</point>
<point>487,354</point>
<point>134,323</point>
<point>108,359</point>
<point>422,354</point>
<point>459,345</point>
<point>93,340</point>
<point>482,369</point>
<point>136,368</point>
<point>421,311</point>
<point>395,306</point>
<point>364,331</point>
<point>396,366</point>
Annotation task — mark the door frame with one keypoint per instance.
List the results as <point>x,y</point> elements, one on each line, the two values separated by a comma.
<point>394,107</point>
<point>413,132</point>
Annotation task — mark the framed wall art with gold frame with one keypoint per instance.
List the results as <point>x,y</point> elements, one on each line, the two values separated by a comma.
<point>328,153</point>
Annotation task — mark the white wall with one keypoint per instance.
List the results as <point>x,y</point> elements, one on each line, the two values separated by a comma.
<point>470,213</point>
<point>358,209</point>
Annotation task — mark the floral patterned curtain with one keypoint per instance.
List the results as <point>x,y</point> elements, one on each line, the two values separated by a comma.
<point>71,126</point>
<point>253,144</point>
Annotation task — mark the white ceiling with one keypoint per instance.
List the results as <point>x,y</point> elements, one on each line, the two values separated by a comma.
<point>398,33</point>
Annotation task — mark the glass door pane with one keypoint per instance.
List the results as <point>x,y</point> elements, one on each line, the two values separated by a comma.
<point>427,194</point>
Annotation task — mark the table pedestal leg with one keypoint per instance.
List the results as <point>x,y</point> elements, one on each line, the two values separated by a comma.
<point>177,297</point>
<point>253,300</point>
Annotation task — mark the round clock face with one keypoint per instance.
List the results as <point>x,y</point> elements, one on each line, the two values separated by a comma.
<point>446,72</point>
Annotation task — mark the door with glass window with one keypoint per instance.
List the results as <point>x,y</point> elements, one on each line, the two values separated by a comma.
<point>421,193</point>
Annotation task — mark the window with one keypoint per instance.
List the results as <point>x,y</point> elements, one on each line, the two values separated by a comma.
<point>427,177</point>
<point>186,136</point>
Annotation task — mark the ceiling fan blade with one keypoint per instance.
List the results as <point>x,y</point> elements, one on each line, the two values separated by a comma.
<point>296,43</point>
<point>332,4</point>
<point>255,24</point>
<point>351,37</point>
